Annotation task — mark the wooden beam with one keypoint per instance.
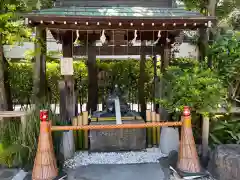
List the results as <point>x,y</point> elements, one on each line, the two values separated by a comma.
<point>39,79</point>
<point>119,35</point>
<point>91,22</point>
<point>4,114</point>
<point>116,27</point>
<point>118,50</point>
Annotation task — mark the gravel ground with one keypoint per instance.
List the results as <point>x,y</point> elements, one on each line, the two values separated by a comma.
<point>150,155</point>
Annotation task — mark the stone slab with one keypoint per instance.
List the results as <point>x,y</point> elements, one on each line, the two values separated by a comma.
<point>7,174</point>
<point>117,139</point>
<point>118,172</point>
<point>224,162</point>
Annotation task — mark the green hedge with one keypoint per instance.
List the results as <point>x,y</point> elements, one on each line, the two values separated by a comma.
<point>125,73</point>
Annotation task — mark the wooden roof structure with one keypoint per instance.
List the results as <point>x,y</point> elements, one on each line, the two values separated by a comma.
<point>115,14</point>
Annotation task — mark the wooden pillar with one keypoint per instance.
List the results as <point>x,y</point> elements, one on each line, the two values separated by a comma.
<point>155,85</point>
<point>141,81</point>
<point>67,98</point>
<point>92,78</point>
<point>165,57</point>
<point>39,79</point>
<point>202,44</point>
<point>63,102</point>
<point>70,100</point>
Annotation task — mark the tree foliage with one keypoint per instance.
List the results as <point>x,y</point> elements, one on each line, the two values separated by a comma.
<point>12,31</point>
<point>226,62</point>
<point>38,4</point>
<point>222,7</point>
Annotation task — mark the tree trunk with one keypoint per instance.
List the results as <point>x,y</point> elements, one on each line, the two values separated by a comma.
<point>5,91</point>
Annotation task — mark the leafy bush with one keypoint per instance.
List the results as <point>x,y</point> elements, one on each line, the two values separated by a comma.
<point>19,148</point>
<point>189,84</point>
<point>224,131</point>
<point>123,73</point>
<point>226,62</point>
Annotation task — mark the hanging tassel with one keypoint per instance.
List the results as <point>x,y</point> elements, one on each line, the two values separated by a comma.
<point>168,40</point>
<point>103,37</point>
<point>159,36</point>
<point>135,38</point>
<point>76,42</point>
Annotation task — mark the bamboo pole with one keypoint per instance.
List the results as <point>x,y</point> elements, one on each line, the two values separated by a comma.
<point>75,134</point>
<point>154,130</point>
<point>116,126</point>
<point>23,125</point>
<point>158,128</point>
<point>114,118</point>
<point>149,135</point>
<point>80,132</point>
<point>205,137</point>
<point>85,123</point>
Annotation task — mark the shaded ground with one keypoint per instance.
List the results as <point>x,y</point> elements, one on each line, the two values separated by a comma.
<point>7,174</point>
<point>152,171</point>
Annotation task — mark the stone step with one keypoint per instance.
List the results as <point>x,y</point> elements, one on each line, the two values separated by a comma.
<point>151,171</point>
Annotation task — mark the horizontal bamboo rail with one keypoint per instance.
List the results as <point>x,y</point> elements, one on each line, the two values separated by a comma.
<point>15,114</point>
<point>8,114</point>
<point>115,126</point>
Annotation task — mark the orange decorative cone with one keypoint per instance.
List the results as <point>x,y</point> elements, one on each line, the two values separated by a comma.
<point>188,160</point>
<point>45,166</point>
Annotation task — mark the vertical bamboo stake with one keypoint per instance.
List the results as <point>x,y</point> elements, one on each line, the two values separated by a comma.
<point>85,122</point>
<point>205,136</point>
<point>149,135</point>
<point>80,132</point>
<point>158,128</point>
<point>154,129</point>
<point>75,123</point>
<point>23,124</point>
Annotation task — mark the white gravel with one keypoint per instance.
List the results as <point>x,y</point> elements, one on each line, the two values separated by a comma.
<point>83,158</point>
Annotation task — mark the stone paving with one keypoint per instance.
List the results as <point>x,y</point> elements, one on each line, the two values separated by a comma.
<point>7,174</point>
<point>151,171</point>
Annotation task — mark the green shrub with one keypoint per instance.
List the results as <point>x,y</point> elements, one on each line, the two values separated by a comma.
<point>21,82</point>
<point>17,148</point>
<point>224,131</point>
<point>124,73</point>
<point>191,85</point>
